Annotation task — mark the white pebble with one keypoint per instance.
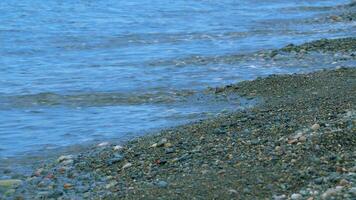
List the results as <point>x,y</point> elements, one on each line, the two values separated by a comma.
<point>296,196</point>
<point>315,127</point>
<point>63,158</point>
<point>127,165</point>
<point>103,144</point>
<point>280,197</point>
<point>118,147</point>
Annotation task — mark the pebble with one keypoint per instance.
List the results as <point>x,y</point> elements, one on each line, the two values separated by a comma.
<point>353,191</point>
<point>232,191</point>
<point>219,131</point>
<point>103,144</point>
<point>331,192</point>
<point>162,142</point>
<point>67,186</point>
<point>169,150</point>
<point>205,171</point>
<point>292,141</point>
<point>315,127</point>
<point>296,196</point>
<point>67,162</point>
<point>302,139</point>
<point>117,158</point>
<point>39,172</point>
<point>162,184</point>
<point>344,182</point>
<point>127,165</point>
<point>353,169</point>
<point>111,185</point>
<point>63,158</point>
<point>168,145</point>
<point>117,147</point>
<point>280,197</point>
<point>10,183</point>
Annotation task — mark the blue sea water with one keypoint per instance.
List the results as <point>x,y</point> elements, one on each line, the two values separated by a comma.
<point>79,71</point>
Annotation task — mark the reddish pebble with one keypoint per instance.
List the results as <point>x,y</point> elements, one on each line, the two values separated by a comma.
<point>67,186</point>
<point>50,176</point>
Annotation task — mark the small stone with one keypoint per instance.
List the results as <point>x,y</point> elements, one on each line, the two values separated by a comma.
<point>162,142</point>
<point>117,158</point>
<point>117,147</point>
<point>50,176</point>
<point>319,181</point>
<point>353,169</point>
<point>205,165</point>
<point>169,150</point>
<point>103,144</point>
<point>353,191</point>
<point>10,192</point>
<point>330,192</point>
<point>154,145</point>
<point>8,183</point>
<point>63,158</point>
<point>232,191</point>
<point>298,135</point>
<point>292,141</point>
<point>67,162</point>
<point>127,165</point>
<point>296,196</point>
<point>67,186</point>
<point>280,197</point>
<point>39,172</point>
<point>219,131</point>
<point>162,184</point>
<point>315,127</point>
<point>344,182</point>
<point>111,185</point>
<point>205,171</point>
<point>341,169</point>
<point>302,139</point>
<point>336,18</point>
<point>168,145</point>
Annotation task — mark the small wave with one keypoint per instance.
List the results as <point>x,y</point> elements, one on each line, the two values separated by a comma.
<point>92,99</point>
<point>100,42</point>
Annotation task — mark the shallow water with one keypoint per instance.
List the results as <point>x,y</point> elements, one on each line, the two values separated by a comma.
<point>81,71</point>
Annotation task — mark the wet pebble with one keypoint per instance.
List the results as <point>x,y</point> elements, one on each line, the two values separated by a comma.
<point>219,131</point>
<point>315,127</point>
<point>280,197</point>
<point>162,184</point>
<point>10,183</point>
<point>63,158</point>
<point>296,196</point>
<point>127,165</point>
<point>116,158</point>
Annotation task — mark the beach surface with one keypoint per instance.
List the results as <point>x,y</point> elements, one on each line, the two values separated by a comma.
<point>298,142</point>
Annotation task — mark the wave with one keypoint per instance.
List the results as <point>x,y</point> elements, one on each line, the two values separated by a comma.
<point>97,99</point>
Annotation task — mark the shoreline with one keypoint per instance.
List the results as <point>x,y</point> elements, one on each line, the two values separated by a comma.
<point>299,143</point>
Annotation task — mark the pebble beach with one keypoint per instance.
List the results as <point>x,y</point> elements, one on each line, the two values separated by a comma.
<point>152,107</point>
<point>298,142</point>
